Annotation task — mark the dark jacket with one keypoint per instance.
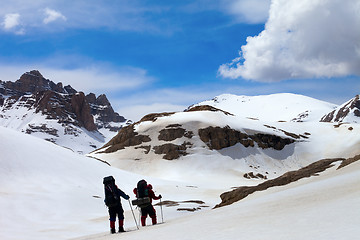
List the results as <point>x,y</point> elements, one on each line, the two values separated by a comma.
<point>117,193</point>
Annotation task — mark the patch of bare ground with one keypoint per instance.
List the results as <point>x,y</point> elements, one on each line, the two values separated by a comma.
<point>169,203</point>
<point>172,151</point>
<point>126,137</point>
<point>349,161</point>
<point>313,169</point>
<point>170,134</point>
<point>250,175</point>
<point>207,108</point>
<point>153,116</point>
<point>218,138</point>
<point>188,209</point>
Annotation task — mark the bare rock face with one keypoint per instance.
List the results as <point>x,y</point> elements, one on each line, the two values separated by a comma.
<point>339,114</point>
<point>64,104</point>
<point>206,108</point>
<point>173,132</point>
<point>126,137</point>
<point>32,82</point>
<point>171,151</point>
<point>313,169</point>
<point>101,107</point>
<point>82,111</point>
<point>218,138</point>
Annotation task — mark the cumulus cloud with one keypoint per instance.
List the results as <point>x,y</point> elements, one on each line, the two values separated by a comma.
<point>52,15</point>
<point>302,39</point>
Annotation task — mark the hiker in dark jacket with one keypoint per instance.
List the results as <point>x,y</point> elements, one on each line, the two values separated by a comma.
<point>145,190</point>
<point>113,202</point>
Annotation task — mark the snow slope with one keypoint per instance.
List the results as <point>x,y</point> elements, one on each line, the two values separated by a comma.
<point>49,192</point>
<point>274,107</point>
<point>323,208</point>
<point>22,118</point>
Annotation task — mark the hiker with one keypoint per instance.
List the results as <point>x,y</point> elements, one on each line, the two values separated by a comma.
<point>112,201</point>
<point>144,190</point>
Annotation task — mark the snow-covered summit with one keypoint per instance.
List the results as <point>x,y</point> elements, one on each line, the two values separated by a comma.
<point>274,107</point>
<point>248,138</point>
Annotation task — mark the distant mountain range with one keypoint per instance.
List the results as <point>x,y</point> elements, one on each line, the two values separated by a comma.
<point>62,115</point>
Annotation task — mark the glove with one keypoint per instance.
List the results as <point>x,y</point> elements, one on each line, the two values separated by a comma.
<point>160,196</point>
<point>127,197</point>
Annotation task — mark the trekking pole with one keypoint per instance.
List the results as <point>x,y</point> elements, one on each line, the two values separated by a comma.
<point>162,217</point>
<point>133,214</point>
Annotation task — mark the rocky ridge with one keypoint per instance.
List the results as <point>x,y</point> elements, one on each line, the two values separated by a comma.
<point>347,112</point>
<point>63,111</point>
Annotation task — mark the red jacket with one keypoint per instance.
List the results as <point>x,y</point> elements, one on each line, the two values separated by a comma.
<point>150,192</point>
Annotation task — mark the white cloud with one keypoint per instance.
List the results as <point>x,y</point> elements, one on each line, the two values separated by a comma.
<point>302,39</point>
<point>251,11</point>
<point>96,77</point>
<point>52,15</point>
<point>136,112</point>
<point>125,15</point>
<point>11,20</point>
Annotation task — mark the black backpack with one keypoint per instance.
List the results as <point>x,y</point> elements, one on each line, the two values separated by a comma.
<point>142,190</point>
<point>143,199</point>
<point>111,196</point>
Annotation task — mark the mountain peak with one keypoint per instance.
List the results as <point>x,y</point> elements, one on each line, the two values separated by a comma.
<point>34,73</point>
<point>57,113</point>
<point>347,112</point>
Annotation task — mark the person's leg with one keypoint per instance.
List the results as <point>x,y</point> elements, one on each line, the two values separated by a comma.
<point>152,214</point>
<point>121,219</point>
<point>143,216</point>
<point>112,213</point>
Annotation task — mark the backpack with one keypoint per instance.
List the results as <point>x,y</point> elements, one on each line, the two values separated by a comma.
<point>111,196</point>
<point>143,199</point>
<point>142,190</point>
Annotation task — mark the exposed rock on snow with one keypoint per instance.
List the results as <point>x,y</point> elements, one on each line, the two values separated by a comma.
<point>206,108</point>
<point>313,169</point>
<point>172,151</point>
<point>347,112</point>
<point>219,138</point>
<point>126,137</point>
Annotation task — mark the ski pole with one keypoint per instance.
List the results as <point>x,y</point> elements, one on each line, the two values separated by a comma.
<point>162,217</point>
<point>133,214</point>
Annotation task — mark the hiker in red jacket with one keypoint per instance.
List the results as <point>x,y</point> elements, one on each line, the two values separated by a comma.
<point>145,190</point>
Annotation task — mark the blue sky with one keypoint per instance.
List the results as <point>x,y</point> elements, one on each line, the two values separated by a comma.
<point>155,56</point>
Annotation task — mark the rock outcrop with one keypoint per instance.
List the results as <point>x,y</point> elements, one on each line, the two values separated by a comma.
<point>218,138</point>
<point>313,169</point>
<point>348,109</point>
<point>72,110</point>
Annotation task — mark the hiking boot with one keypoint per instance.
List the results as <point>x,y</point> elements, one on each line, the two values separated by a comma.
<point>112,230</point>
<point>121,229</point>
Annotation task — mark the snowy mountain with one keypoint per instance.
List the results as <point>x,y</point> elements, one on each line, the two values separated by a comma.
<point>246,139</point>
<point>347,112</point>
<point>62,115</point>
<point>53,193</point>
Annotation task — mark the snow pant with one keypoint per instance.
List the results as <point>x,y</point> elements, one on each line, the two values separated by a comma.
<point>119,212</point>
<point>148,210</point>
